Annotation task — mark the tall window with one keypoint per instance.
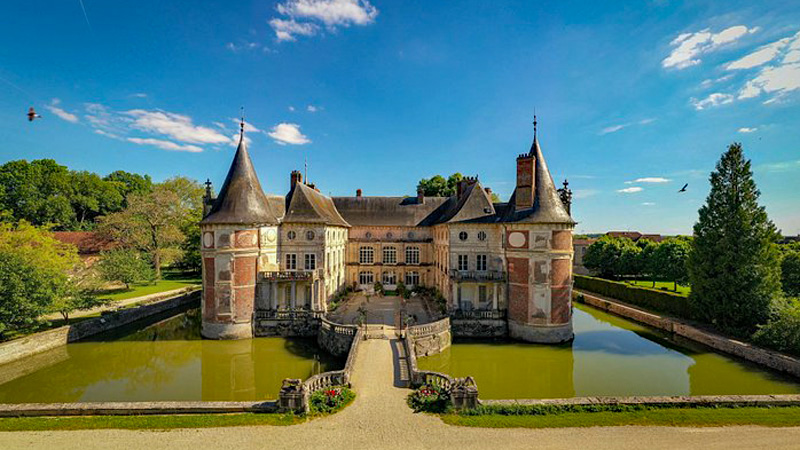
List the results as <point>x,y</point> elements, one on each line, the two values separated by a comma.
<point>463,262</point>
<point>366,278</point>
<point>291,261</point>
<point>482,294</point>
<point>480,262</point>
<point>412,255</point>
<point>389,255</point>
<point>311,261</point>
<point>389,278</point>
<point>412,278</point>
<point>366,255</point>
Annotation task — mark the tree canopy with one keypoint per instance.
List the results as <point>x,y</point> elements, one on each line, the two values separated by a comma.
<point>438,186</point>
<point>734,264</point>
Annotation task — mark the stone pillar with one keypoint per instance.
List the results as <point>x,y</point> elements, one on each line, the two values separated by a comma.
<point>293,296</point>
<point>456,300</point>
<point>494,296</point>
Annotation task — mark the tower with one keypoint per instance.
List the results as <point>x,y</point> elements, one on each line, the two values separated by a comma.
<point>231,249</point>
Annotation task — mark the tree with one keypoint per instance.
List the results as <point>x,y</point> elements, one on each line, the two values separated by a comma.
<point>151,223</point>
<point>34,273</point>
<point>37,192</point>
<point>647,264</point>
<point>613,257</point>
<point>130,183</point>
<point>126,266</point>
<point>79,293</point>
<point>669,260</point>
<point>733,266</point>
<point>790,273</point>
<point>437,186</point>
<point>91,196</point>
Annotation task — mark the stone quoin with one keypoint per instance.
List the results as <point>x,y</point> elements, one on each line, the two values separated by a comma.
<point>273,256</point>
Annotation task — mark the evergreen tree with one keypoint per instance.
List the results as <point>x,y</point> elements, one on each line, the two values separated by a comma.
<point>733,267</point>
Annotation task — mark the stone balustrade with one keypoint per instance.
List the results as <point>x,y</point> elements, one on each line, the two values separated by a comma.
<point>478,314</point>
<point>429,329</point>
<point>463,391</point>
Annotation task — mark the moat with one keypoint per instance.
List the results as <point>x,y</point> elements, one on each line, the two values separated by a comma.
<point>166,361</point>
<point>610,356</point>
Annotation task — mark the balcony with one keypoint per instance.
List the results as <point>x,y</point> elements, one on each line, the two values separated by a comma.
<point>478,314</point>
<point>477,275</point>
<point>290,275</point>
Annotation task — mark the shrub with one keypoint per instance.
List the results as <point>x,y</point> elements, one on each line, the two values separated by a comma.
<point>666,302</point>
<point>782,332</point>
<point>428,398</point>
<point>790,273</point>
<point>331,400</point>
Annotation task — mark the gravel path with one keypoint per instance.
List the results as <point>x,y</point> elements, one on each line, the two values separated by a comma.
<point>380,419</point>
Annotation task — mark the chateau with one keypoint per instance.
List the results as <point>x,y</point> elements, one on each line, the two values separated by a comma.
<point>270,255</point>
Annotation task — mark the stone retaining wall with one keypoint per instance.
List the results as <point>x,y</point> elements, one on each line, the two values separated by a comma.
<point>479,328</point>
<point>430,338</point>
<point>304,327</point>
<point>132,408</point>
<point>674,401</point>
<point>336,338</point>
<point>745,350</point>
<point>47,340</point>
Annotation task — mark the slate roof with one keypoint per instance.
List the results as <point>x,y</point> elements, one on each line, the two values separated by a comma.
<point>241,200</point>
<point>547,205</point>
<point>306,205</point>
<point>387,211</point>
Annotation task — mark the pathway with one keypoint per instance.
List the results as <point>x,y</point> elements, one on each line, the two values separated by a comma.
<point>122,303</point>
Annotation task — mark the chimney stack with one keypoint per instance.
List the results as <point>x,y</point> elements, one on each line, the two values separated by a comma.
<point>420,196</point>
<point>358,192</point>
<point>526,164</point>
<point>488,191</point>
<point>296,177</point>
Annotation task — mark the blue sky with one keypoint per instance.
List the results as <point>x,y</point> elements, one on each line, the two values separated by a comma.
<point>634,98</point>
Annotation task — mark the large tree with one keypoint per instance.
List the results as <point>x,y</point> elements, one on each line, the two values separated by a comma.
<point>734,264</point>
<point>438,186</point>
<point>790,273</point>
<point>91,196</point>
<point>37,192</point>
<point>613,257</point>
<point>669,260</point>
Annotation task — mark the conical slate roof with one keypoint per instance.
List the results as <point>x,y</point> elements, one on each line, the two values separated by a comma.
<point>241,200</point>
<point>547,205</point>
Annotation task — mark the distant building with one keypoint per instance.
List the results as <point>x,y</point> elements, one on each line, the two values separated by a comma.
<point>270,255</point>
<point>579,247</point>
<point>88,243</point>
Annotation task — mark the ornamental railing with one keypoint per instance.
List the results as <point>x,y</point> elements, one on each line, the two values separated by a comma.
<point>289,275</point>
<point>288,314</point>
<point>478,314</point>
<point>477,275</point>
<point>427,329</point>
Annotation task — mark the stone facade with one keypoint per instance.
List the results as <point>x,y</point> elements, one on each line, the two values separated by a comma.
<point>265,257</point>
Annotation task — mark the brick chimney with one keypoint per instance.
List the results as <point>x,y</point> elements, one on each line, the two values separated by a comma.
<point>525,181</point>
<point>296,177</point>
<point>488,191</point>
<point>358,192</point>
<point>420,196</point>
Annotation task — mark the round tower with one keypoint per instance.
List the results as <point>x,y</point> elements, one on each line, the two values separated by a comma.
<point>230,248</point>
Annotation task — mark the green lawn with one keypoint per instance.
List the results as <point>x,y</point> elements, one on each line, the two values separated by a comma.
<point>170,281</point>
<point>661,286</point>
<point>154,422</point>
<point>677,417</point>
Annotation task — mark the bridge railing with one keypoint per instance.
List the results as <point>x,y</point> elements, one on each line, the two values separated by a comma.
<point>427,329</point>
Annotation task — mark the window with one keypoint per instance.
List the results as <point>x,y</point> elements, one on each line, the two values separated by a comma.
<point>389,235</point>
<point>291,261</point>
<point>481,235</point>
<point>389,255</point>
<point>411,235</point>
<point>366,255</point>
<point>291,235</point>
<point>412,278</point>
<point>366,278</point>
<point>480,262</point>
<point>311,261</point>
<point>463,262</point>
<point>310,235</point>
<point>368,235</point>
<point>482,294</point>
<point>463,235</point>
<point>389,278</point>
<point>412,255</point>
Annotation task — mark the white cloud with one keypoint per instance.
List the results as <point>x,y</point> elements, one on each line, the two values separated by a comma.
<point>312,108</point>
<point>176,126</point>
<point>303,16</point>
<point>615,128</point>
<point>106,134</point>
<point>291,108</point>
<point>649,180</point>
<point>630,190</point>
<point>55,109</point>
<point>747,130</point>
<point>761,56</point>
<point>139,95</point>
<point>773,79</point>
<point>689,46</point>
<point>165,145</point>
<point>288,133</point>
<point>584,193</point>
<point>243,46</point>
<point>648,204</point>
<point>784,166</point>
<point>248,127</point>
<point>714,99</point>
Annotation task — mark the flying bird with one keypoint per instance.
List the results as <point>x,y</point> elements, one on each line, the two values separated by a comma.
<point>683,189</point>
<point>32,114</point>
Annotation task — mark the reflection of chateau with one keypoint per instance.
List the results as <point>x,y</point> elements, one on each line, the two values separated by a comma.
<point>270,255</point>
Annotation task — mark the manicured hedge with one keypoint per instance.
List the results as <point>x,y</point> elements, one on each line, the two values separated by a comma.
<point>666,302</point>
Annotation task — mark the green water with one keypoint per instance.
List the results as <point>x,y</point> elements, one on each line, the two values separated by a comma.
<point>166,361</point>
<point>609,356</point>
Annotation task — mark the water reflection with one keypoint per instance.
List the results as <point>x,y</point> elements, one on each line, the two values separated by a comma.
<point>167,361</point>
<point>609,356</point>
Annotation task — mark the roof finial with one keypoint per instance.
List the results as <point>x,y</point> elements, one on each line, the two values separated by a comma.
<point>535,123</point>
<point>241,126</point>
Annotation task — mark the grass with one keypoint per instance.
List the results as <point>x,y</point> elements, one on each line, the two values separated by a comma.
<point>154,422</point>
<point>674,417</point>
<point>170,281</point>
<point>661,286</point>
